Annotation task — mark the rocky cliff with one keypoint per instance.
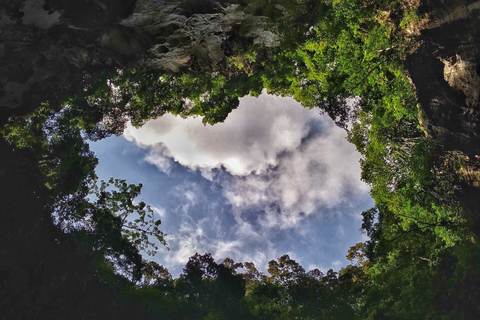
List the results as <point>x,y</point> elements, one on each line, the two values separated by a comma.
<point>445,70</point>
<point>48,47</point>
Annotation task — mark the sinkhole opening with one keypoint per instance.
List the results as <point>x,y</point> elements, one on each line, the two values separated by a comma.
<point>274,178</point>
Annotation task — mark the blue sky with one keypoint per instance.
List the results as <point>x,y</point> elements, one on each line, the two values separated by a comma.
<point>273,179</point>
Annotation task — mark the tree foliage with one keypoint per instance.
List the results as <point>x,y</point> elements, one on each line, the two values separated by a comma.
<point>107,222</point>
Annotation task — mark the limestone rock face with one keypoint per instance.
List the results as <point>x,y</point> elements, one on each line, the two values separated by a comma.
<point>48,46</point>
<point>35,14</point>
<point>445,72</point>
<point>198,40</point>
<point>46,49</point>
<point>461,74</point>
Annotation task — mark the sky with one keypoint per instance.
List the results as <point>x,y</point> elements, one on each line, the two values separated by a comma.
<point>273,179</point>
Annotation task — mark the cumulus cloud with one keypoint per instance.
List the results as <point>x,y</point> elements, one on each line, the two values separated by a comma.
<point>249,140</point>
<point>321,173</point>
<point>268,151</point>
<point>276,165</point>
<point>158,156</point>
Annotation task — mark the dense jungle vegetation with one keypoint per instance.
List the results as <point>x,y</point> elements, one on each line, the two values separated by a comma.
<point>348,59</point>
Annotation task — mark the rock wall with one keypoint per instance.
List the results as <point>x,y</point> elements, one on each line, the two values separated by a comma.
<point>49,46</point>
<point>445,70</point>
<point>199,41</point>
<point>46,49</point>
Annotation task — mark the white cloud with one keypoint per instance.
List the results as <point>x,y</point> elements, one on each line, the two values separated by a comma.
<point>273,150</point>
<point>159,211</point>
<point>162,162</point>
<point>337,264</point>
<point>227,248</point>
<point>189,239</point>
<point>265,146</point>
<point>320,174</point>
<point>246,236</point>
<point>312,267</point>
<point>272,159</point>
<point>210,232</point>
<point>188,191</point>
<point>249,140</point>
<point>193,237</point>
